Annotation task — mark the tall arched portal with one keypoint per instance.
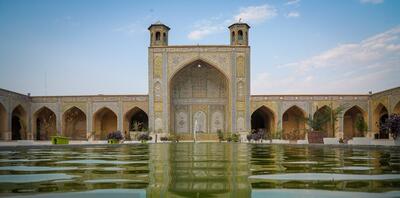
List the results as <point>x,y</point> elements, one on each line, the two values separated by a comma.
<point>351,119</point>
<point>74,124</point>
<point>136,120</point>
<point>199,99</point>
<point>44,124</point>
<point>18,123</point>
<point>104,122</point>
<point>293,124</point>
<point>3,122</point>
<point>263,119</point>
<point>322,114</point>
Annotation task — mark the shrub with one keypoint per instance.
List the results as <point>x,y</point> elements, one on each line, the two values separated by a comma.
<point>144,137</point>
<point>116,135</point>
<point>248,137</point>
<point>164,138</point>
<point>235,137</point>
<point>256,135</point>
<point>392,125</point>
<point>220,135</point>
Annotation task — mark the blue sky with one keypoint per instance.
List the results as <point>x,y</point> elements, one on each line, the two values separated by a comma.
<point>76,47</point>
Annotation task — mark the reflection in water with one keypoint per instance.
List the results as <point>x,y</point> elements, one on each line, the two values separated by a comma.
<point>200,170</point>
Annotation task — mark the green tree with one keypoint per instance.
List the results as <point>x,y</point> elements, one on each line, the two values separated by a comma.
<point>361,125</point>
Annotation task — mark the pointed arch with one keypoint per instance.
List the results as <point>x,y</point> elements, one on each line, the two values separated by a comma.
<point>158,36</point>
<point>74,124</point>
<point>263,118</point>
<point>195,61</point>
<point>19,123</point>
<point>396,108</point>
<point>319,114</point>
<point>240,35</point>
<point>136,120</point>
<point>380,115</point>
<point>294,123</point>
<point>3,122</point>
<point>104,122</point>
<point>351,117</point>
<point>44,124</point>
<point>197,86</point>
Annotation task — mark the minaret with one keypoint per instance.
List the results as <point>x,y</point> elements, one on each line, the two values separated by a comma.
<point>239,33</point>
<point>158,34</point>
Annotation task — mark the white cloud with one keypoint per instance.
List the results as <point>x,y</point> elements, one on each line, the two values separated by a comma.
<point>292,2</point>
<point>371,64</point>
<point>207,27</point>
<point>293,14</point>
<point>251,14</point>
<point>372,1</point>
<point>256,14</point>
<point>138,26</point>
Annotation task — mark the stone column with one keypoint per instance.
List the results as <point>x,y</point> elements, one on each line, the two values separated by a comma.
<point>8,133</point>
<point>59,115</point>
<point>89,121</point>
<point>120,117</point>
<point>341,124</point>
<point>280,124</point>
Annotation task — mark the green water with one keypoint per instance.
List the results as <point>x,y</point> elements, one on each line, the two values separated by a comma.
<point>200,170</point>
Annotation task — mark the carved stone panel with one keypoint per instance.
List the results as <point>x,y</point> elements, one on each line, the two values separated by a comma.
<point>158,125</point>
<point>241,91</point>
<point>157,91</point>
<point>240,67</point>
<point>200,122</point>
<point>182,122</point>
<point>240,124</point>
<point>157,66</point>
<point>217,121</point>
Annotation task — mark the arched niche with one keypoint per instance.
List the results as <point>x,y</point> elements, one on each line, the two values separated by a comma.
<point>321,113</point>
<point>380,115</point>
<point>19,123</point>
<point>104,122</point>
<point>44,122</point>
<point>74,124</point>
<point>136,120</point>
<point>263,119</point>
<point>351,118</point>
<point>294,123</point>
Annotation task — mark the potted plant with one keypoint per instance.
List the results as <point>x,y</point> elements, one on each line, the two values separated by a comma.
<point>114,137</point>
<point>392,125</point>
<point>316,134</point>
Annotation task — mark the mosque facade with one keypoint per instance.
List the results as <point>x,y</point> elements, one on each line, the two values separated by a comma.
<point>192,88</point>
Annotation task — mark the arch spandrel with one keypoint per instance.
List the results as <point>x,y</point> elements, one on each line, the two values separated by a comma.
<point>113,106</point>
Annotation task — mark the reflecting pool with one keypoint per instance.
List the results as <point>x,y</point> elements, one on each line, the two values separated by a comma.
<point>200,170</point>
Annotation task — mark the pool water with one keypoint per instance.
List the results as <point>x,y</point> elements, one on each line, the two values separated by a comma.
<point>200,170</point>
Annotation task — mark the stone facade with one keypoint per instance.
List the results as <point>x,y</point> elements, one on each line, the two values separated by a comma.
<point>191,88</point>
